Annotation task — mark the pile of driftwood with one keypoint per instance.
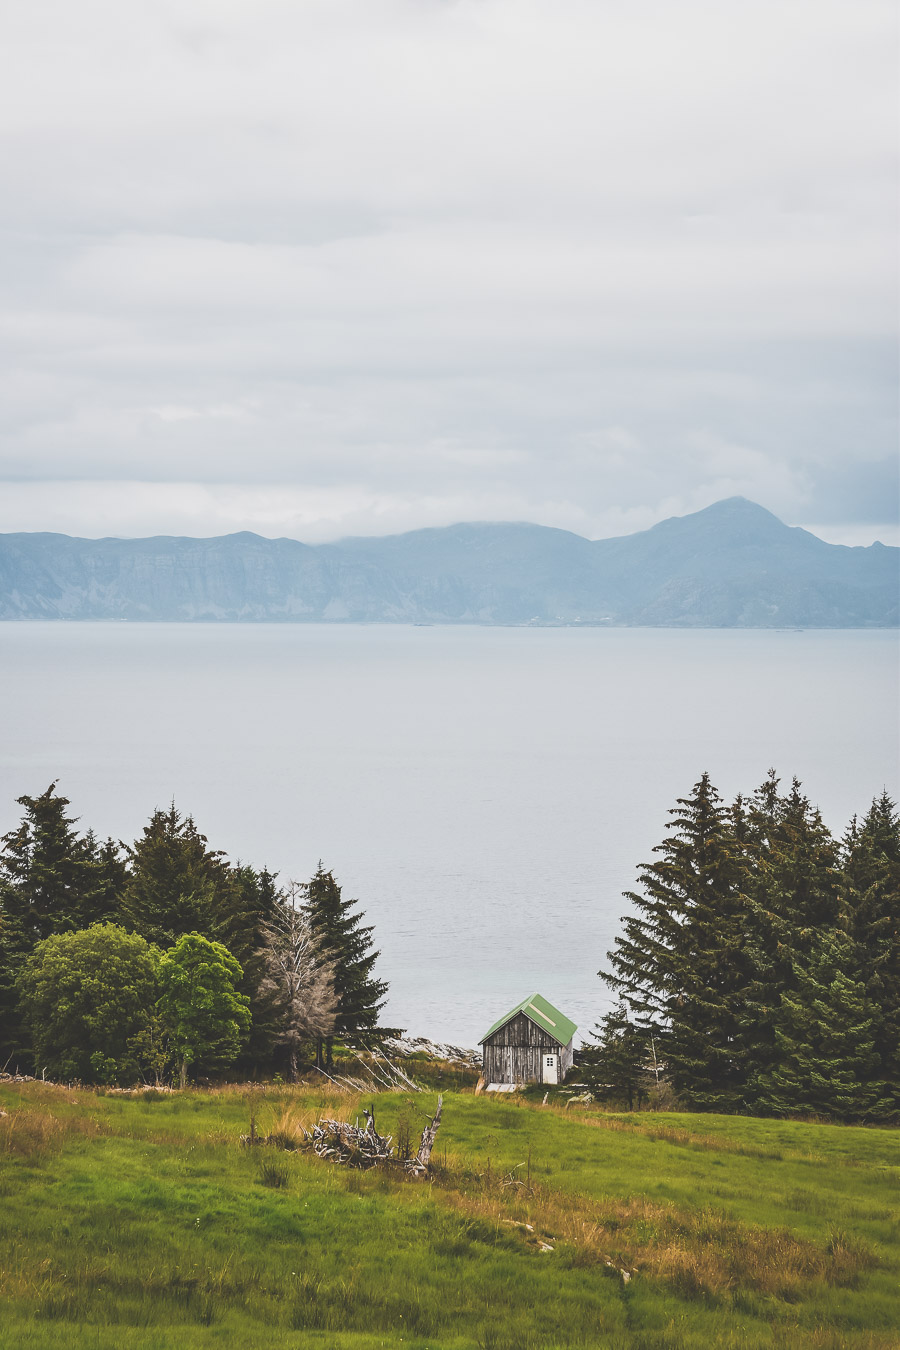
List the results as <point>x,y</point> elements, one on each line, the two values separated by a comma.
<point>355,1146</point>
<point>341,1142</point>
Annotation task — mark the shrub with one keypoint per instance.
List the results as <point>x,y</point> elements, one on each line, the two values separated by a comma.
<point>86,996</point>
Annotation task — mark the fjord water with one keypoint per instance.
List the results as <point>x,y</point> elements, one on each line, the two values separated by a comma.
<point>486,793</point>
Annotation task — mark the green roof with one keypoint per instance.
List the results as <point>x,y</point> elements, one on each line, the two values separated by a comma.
<point>543,1015</point>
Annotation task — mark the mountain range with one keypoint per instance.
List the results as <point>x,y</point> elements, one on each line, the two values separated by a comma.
<point>732,565</point>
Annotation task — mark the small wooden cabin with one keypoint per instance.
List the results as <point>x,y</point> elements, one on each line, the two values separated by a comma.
<point>531,1044</point>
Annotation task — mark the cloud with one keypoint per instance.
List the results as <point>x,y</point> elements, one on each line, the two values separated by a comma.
<point>414,261</point>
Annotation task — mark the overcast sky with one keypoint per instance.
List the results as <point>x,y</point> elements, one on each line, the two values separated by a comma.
<point>320,267</point>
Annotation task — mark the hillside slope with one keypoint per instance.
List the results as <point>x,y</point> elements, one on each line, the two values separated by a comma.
<point>142,1222</point>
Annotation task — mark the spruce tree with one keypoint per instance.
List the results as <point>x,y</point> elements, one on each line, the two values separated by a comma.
<point>346,943</point>
<point>258,903</point>
<point>107,882</point>
<point>177,884</point>
<point>15,1044</point>
<point>766,960</point>
<point>614,1064</point>
<point>871,854</point>
<point>51,881</point>
<point>824,1040</point>
<point>793,896</point>
<point>680,965</point>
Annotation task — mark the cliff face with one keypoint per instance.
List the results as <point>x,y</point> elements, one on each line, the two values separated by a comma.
<point>731,565</point>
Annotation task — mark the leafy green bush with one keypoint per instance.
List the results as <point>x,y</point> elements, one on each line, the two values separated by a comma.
<point>86,997</point>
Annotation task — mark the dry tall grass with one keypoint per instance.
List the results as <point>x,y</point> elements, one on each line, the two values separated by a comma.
<point>286,1127</point>
<point>35,1133</point>
<point>700,1252</point>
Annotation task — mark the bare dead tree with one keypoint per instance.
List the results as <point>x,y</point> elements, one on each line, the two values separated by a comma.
<point>299,976</point>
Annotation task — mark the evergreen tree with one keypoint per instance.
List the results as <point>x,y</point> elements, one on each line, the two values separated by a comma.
<point>824,1040</point>
<point>346,943</point>
<point>259,906</point>
<point>680,966</point>
<point>797,865</point>
<point>51,881</point>
<point>615,1065</point>
<point>108,880</point>
<point>793,897</point>
<point>15,1043</point>
<point>257,901</point>
<point>177,884</point>
<point>871,872</point>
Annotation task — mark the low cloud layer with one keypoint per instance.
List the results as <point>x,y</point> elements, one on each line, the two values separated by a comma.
<point>356,266</point>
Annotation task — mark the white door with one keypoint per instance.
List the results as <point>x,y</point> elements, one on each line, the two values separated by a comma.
<point>550,1068</point>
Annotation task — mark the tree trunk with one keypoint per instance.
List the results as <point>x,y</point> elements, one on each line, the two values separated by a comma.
<point>293,1069</point>
<point>184,1069</point>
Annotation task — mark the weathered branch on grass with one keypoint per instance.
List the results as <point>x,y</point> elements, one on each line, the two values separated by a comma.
<point>418,1165</point>
<point>376,1076</point>
<point>396,1076</point>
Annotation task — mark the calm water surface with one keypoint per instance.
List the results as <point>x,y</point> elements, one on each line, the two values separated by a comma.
<point>486,793</point>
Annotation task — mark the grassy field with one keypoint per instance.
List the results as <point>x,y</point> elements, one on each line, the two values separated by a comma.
<point>142,1222</point>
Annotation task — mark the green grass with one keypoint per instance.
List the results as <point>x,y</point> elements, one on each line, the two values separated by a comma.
<point>143,1223</point>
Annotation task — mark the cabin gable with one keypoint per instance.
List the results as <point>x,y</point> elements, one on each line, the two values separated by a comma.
<point>521,1030</point>
<point>522,1048</point>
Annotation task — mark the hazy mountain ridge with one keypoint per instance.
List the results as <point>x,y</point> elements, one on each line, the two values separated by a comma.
<point>733,564</point>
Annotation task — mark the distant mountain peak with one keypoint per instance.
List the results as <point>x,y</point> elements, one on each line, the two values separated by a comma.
<point>732,508</point>
<point>730,565</point>
<point>730,522</point>
<point>738,504</point>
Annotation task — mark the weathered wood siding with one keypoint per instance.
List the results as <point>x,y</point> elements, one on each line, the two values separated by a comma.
<point>512,1063</point>
<point>514,1053</point>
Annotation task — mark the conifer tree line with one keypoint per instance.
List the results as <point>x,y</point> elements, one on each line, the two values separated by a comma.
<point>759,968</point>
<point>162,960</point>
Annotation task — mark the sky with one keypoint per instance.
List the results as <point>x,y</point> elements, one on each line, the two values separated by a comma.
<point>327,267</point>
